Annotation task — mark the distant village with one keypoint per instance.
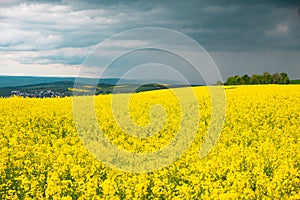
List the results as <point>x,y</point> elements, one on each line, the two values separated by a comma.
<point>38,94</point>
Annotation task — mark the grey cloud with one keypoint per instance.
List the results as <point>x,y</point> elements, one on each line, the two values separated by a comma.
<point>235,26</point>
<point>222,26</point>
<point>231,26</point>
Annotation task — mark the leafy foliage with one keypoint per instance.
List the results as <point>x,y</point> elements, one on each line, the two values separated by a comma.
<point>265,78</point>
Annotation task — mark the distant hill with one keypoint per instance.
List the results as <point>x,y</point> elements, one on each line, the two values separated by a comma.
<point>41,87</point>
<point>11,81</point>
<point>66,88</point>
<point>60,88</point>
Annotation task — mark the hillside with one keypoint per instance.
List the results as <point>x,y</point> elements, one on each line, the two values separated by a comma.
<point>40,87</point>
<point>66,88</point>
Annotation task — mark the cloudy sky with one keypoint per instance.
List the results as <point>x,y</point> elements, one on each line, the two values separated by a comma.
<point>53,38</point>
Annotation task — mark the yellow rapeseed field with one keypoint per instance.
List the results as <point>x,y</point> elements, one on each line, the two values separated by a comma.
<point>256,157</point>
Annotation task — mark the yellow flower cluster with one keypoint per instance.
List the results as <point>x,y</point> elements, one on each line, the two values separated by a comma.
<point>256,157</point>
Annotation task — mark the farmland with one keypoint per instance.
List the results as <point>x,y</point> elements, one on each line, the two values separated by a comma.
<point>256,157</point>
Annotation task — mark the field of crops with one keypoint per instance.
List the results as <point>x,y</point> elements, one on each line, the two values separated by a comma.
<point>256,157</point>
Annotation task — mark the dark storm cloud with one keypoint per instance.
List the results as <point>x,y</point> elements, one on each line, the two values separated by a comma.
<point>220,26</point>
<point>235,25</point>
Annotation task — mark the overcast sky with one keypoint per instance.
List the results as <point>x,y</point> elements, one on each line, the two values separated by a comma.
<point>54,37</point>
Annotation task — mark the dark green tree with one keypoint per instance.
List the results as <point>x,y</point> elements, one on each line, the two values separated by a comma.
<point>237,80</point>
<point>284,78</point>
<point>230,81</point>
<point>275,78</point>
<point>246,79</point>
<point>266,78</point>
<point>220,83</point>
<point>253,79</point>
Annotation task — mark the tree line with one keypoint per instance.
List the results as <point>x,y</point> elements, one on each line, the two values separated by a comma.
<point>265,78</point>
